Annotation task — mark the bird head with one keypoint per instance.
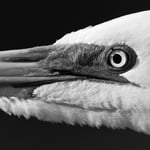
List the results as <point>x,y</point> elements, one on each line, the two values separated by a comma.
<point>97,76</point>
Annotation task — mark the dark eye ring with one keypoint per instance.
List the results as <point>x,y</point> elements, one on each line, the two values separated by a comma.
<point>121,58</point>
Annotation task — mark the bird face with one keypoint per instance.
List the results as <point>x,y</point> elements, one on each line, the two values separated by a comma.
<point>96,76</point>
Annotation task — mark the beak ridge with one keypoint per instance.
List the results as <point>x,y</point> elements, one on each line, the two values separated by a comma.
<point>22,66</point>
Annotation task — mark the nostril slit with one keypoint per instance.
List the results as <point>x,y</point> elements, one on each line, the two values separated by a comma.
<point>21,59</point>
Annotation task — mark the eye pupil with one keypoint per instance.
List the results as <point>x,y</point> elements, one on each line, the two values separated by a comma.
<point>117,58</point>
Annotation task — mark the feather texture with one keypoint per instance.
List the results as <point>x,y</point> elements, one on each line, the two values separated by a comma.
<point>117,109</point>
<point>97,103</point>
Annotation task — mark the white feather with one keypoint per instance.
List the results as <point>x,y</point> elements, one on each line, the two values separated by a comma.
<point>122,29</point>
<point>118,109</point>
<point>121,105</point>
<point>133,30</point>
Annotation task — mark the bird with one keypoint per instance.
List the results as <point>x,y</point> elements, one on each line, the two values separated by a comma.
<point>96,76</point>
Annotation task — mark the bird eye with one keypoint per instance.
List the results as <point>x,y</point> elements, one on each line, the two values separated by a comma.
<point>118,58</point>
<point>121,58</point>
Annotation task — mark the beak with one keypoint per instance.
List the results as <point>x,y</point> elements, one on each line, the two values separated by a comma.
<point>23,67</point>
<point>48,64</point>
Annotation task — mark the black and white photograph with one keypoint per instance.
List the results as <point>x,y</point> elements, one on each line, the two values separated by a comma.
<point>74,75</point>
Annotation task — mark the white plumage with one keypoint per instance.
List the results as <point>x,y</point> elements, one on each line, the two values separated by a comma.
<point>133,30</point>
<point>119,106</point>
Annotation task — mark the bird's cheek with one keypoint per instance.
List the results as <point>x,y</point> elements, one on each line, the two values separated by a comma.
<point>139,76</point>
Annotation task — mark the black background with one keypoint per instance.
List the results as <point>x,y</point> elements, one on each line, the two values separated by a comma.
<point>26,24</point>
